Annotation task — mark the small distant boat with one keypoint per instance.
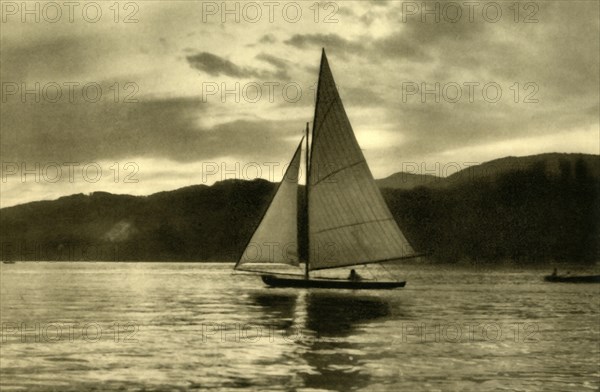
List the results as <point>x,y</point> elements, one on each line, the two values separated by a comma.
<point>346,218</point>
<point>573,279</point>
<point>9,262</point>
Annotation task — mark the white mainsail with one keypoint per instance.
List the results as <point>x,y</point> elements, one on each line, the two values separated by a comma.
<point>276,237</point>
<point>349,221</point>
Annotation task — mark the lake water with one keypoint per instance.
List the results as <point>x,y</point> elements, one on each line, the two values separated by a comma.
<point>177,326</point>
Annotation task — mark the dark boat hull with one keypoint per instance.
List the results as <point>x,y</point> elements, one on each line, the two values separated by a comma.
<point>275,281</point>
<point>573,279</point>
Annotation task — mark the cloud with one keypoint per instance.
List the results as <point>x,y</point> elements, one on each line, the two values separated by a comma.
<point>49,58</point>
<point>333,42</point>
<point>401,46</point>
<point>276,61</point>
<point>267,39</point>
<point>163,128</point>
<point>215,66</point>
<point>280,64</point>
<point>361,96</point>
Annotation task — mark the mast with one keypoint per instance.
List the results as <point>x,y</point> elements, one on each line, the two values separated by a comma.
<point>306,209</point>
<point>308,165</point>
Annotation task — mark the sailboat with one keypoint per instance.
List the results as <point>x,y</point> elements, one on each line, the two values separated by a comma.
<point>347,220</point>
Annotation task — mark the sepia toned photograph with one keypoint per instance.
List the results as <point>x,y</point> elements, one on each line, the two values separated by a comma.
<point>352,195</point>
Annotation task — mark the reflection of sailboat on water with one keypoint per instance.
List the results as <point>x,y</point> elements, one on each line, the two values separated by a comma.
<point>336,358</point>
<point>327,313</point>
<point>347,220</point>
<point>322,324</point>
<point>337,315</point>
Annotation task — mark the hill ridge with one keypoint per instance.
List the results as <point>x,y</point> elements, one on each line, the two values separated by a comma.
<point>528,215</point>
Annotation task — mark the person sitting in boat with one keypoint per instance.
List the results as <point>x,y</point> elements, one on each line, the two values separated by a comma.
<point>555,272</point>
<point>354,276</point>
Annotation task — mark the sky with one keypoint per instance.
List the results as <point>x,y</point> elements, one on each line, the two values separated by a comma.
<point>138,97</point>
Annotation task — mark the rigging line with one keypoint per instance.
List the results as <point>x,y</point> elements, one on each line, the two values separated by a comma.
<point>324,117</point>
<point>370,262</point>
<point>339,170</point>
<point>353,224</point>
<point>389,273</point>
<point>271,273</point>
<point>370,272</point>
